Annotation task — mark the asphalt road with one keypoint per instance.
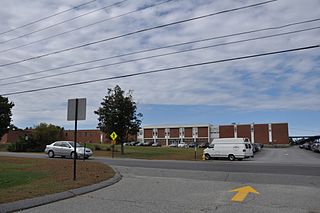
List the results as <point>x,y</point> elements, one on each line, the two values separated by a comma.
<point>287,181</point>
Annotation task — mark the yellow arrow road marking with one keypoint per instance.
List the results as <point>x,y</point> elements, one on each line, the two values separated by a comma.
<point>242,193</point>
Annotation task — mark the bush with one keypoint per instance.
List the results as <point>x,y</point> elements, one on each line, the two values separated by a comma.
<point>4,147</point>
<point>97,148</point>
<point>12,147</point>
<point>19,146</point>
<point>41,135</point>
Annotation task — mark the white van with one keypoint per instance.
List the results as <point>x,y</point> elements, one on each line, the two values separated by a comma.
<point>231,148</point>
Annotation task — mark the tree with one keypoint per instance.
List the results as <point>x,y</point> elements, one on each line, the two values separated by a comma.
<point>118,114</point>
<point>5,115</point>
<point>44,134</point>
<point>41,135</point>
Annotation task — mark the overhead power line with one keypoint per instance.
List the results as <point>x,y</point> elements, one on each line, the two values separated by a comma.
<point>63,22</point>
<point>139,31</point>
<point>165,69</point>
<point>168,46</point>
<point>47,17</point>
<point>85,26</point>
<point>160,55</point>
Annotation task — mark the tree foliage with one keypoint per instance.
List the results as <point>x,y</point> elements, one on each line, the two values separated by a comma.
<point>41,135</point>
<point>45,134</point>
<point>5,115</point>
<point>118,113</point>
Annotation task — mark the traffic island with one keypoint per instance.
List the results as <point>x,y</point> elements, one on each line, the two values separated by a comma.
<point>31,182</point>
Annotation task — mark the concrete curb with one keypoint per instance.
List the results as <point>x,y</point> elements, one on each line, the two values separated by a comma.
<point>38,201</point>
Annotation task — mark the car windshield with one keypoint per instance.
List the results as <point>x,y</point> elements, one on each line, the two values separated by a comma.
<point>72,144</point>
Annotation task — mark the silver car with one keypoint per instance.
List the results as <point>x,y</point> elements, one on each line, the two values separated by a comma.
<point>66,149</point>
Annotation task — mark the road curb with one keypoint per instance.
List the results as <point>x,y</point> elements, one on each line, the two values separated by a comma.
<point>38,201</point>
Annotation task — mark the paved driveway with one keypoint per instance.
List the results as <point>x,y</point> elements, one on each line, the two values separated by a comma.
<point>291,155</point>
<point>147,189</point>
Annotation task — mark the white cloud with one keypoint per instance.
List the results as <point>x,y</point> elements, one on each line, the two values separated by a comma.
<point>269,82</point>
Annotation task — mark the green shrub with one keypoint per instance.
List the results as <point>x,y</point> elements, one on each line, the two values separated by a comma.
<point>97,148</point>
<point>12,147</point>
<point>42,135</point>
<point>4,147</point>
<point>19,146</point>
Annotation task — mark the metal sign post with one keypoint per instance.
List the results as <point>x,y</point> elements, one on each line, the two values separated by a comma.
<point>75,140</point>
<point>112,147</point>
<point>76,111</point>
<point>84,151</point>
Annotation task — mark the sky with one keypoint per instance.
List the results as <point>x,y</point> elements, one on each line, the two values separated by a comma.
<point>270,89</point>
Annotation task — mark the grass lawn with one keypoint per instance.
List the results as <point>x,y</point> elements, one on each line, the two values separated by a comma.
<point>142,152</point>
<point>22,178</point>
<point>152,153</point>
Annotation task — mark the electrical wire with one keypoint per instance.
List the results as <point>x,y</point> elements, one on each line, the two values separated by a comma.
<point>160,55</point>
<point>85,26</point>
<point>166,69</point>
<point>139,31</point>
<point>47,17</point>
<point>167,46</point>
<point>62,22</point>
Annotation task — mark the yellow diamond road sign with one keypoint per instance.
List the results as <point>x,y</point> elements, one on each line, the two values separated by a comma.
<point>113,135</point>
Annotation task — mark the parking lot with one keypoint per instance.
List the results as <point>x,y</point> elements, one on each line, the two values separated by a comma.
<point>291,155</point>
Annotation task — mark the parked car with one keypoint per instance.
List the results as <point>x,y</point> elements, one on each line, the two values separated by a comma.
<point>149,143</point>
<point>301,146</point>
<point>132,143</point>
<point>156,144</point>
<point>304,145</point>
<point>183,145</point>
<point>307,145</point>
<point>192,145</point>
<point>316,145</point>
<point>139,144</point>
<point>204,145</point>
<point>173,145</point>
<point>256,147</point>
<point>66,149</point>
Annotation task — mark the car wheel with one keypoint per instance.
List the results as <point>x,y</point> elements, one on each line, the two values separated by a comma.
<point>231,157</point>
<point>207,156</point>
<point>51,154</point>
<point>72,155</point>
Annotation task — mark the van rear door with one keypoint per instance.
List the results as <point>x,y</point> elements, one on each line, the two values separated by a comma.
<point>249,152</point>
